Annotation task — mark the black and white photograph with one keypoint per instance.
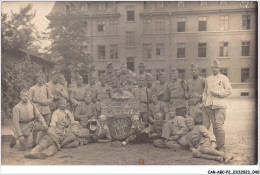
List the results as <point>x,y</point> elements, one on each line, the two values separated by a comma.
<point>129,83</point>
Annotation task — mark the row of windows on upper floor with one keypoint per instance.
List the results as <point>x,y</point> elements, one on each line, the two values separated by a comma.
<point>160,25</point>
<point>158,6</point>
<point>159,52</point>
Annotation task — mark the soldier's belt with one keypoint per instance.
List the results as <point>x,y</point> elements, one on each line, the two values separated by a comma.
<point>27,121</point>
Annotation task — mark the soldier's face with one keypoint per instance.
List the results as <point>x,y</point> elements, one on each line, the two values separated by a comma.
<point>158,117</point>
<point>25,97</point>
<point>102,122</point>
<point>172,114</point>
<point>189,124</point>
<point>92,80</point>
<point>135,122</point>
<point>195,100</point>
<point>109,68</point>
<point>215,70</point>
<point>62,104</point>
<point>120,89</point>
<point>79,81</point>
<point>154,98</point>
<point>141,69</point>
<point>88,99</point>
<point>124,68</point>
<point>40,80</point>
<point>149,82</point>
<point>55,78</point>
<point>61,81</point>
<point>174,75</point>
<point>141,83</point>
<point>162,79</point>
<point>194,72</point>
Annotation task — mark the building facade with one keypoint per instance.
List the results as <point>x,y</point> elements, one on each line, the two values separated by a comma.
<point>163,34</point>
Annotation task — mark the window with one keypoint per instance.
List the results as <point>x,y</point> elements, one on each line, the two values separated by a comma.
<point>84,6</point>
<point>147,25</point>
<point>158,71</point>
<point>147,51</point>
<point>67,8</point>
<point>159,5</point>
<point>202,50</point>
<point>130,61</point>
<point>113,26</point>
<point>223,3</point>
<point>224,71</point>
<point>181,25</point>
<point>246,48</point>
<point>244,75</point>
<point>202,23</point>
<point>203,73</point>
<point>224,23</point>
<point>181,73</point>
<point>113,51</point>
<point>180,3</point>
<point>130,39</point>
<point>180,50</point>
<point>101,26</point>
<point>101,52</point>
<point>160,25</point>
<point>101,6</point>
<point>130,13</point>
<point>159,49</point>
<point>246,21</point>
<point>203,4</point>
<point>223,49</point>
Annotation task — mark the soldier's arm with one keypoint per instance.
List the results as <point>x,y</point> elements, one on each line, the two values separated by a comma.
<point>38,116</point>
<point>227,88</point>
<point>16,124</point>
<point>49,97</point>
<point>183,129</point>
<point>203,131</point>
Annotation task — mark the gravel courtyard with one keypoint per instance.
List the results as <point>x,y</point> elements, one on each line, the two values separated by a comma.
<point>241,138</point>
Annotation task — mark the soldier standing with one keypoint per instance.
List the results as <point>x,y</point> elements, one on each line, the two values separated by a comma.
<point>92,87</point>
<point>77,94</point>
<point>110,76</point>
<point>161,87</point>
<point>41,96</point>
<point>217,88</point>
<point>57,91</point>
<point>123,74</point>
<point>141,72</point>
<point>177,90</point>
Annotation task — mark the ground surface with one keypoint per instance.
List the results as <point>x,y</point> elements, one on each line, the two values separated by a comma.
<point>240,141</point>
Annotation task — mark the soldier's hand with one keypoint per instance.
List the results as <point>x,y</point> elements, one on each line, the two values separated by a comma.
<point>176,137</point>
<point>44,127</point>
<point>214,93</point>
<point>213,145</point>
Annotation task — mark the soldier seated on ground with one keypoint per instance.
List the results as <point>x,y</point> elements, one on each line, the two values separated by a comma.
<point>156,128</point>
<point>61,122</point>
<point>139,131</point>
<point>202,143</point>
<point>99,131</point>
<point>195,106</point>
<point>173,132</point>
<point>26,120</point>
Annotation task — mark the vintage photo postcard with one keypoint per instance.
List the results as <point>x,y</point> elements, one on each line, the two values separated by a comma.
<point>129,83</point>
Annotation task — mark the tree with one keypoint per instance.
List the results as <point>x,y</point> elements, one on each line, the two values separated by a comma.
<point>68,36</point>
<point>17,30</point>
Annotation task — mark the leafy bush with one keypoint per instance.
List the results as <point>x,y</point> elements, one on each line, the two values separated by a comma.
<point>16,76</point>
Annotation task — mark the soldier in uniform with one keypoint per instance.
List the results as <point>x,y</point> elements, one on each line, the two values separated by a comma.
<point>92,87</point>
<point>120,94</point>
<point>77,94</point>
<point>140,94</point>
<point>150,88</point>
<point>141,72</point>
<point>41,96</point>
<point>110,76</point>
<point>57,91</point>
<point>26,119</point>
<point>217,88</point>
<point>85,111</point>
<point>157,107</point>
<point>123,73</point>
<point>161,87</point>
<point>177,90</point>
<point>196,83</point>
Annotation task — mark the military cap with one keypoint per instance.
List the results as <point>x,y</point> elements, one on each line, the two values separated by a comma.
<point>148,76</point>
<point>109,63</point>
<point>174,69</point>
<point>193,65</point>
<point>215,63</point>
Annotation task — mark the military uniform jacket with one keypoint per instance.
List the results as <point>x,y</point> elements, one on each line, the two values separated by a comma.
<point>196,85</point>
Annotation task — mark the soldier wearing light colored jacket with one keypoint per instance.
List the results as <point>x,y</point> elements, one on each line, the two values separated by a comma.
<point>217,88</point>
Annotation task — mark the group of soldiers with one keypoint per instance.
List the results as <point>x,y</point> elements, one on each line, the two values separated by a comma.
<point>174,114</point>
